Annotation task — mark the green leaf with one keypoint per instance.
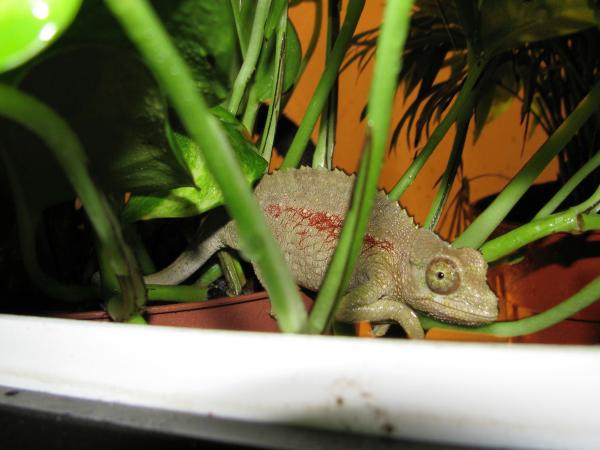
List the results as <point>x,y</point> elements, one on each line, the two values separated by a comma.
<point>191,201</point>
<point>117,110</point>
<point>28,27</point>
<point>204,33</point>
<point>508,23</point>
<point>202,30</point>
<point>293,58</point>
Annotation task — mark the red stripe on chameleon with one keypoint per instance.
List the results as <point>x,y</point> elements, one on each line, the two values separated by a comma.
<point>331,224</point>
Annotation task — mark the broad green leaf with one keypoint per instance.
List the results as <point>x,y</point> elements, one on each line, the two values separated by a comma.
<point>29,26</point>
<point>508,23</point>
<point>191,201</point>
<point>204,33</point>
<point>202,30</point>
<point>117,110</point>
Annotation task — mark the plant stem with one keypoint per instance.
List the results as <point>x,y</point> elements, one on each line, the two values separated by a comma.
<point>591,165</point>
<point>252,53</point>
<point>476,234</point>
<point>461,105</point>
<point>242,41</point>
<point>66,148</point>
<point>27,222</point>
<point>584,298</point>
<point>323,156</point>
<point>462,126</point>
<point>252,105</point>
<point>566,222</point>
<point>387,66</point>
<point>326,82</point>
<point>233,273</point>
<point>268,134</point>
<point>211,274</point>
<point>157,292</point>
<point>256,241</point>
<point>572,220</point>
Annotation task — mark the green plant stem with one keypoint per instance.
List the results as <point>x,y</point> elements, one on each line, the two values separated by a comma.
<point>252,105</point>
<point>242,40</point>
<point>589,294</point>
<point>252,53</point>
<point>565,222</point>
<point>476,234</point>
<point>137,319</point>
<point>66,148</point>
<point>157,292</point>
<point>462,126</point>
<point>326,82</point>
<point>591,165</point>
<point>461,105</point>
<point>573,220</point>
<point>141,253</point>
<point>323,156</point>
<point>27,222</point>
<point>257,243</point>
<point>211,274</point>
<point>387,66</point>
<point>233,273</point>
<point>268,134</point>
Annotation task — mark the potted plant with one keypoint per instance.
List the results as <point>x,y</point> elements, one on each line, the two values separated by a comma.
<point>266,40</point>
<point>365,386</point>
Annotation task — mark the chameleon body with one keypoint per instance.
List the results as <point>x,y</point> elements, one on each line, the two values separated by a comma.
<point>401,267</point>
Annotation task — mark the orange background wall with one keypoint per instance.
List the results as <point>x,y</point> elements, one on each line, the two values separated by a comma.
<point>498,150</point>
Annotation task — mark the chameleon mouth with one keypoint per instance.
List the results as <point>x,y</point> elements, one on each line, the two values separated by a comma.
<point>459,316</point>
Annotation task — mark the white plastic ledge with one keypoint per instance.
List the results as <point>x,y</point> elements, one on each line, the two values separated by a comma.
<point>520,396</point>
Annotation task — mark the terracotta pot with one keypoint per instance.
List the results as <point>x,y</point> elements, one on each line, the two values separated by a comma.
<point>244,313</point>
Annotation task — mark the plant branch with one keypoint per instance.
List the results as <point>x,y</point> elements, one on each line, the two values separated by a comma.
<point>591,165</point>
<point>323,156</point>
<point>462,126</point>
<point>268,134</point>
<point>326,82</point>
<point>66,148</point>
<point>476,234</point>
<point>569,221</point>
<point>252,53</point>
<point>257,243</point>
<point>27,223</point>
<point>387,66</point>
<point>463,103</point>
<point>158,292</point>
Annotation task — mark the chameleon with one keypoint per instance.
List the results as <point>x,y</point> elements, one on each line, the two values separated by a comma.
<point>402,268</point>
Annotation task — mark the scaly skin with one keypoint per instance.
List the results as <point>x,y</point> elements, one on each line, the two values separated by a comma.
<point>401,268</point>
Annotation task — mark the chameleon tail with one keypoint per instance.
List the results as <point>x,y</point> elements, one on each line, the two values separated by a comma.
<point>189,261</point>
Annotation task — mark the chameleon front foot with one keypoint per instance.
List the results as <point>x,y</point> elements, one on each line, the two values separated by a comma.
<point>384,310</point>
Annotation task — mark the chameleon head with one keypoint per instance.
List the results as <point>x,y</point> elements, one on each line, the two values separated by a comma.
<point>447,283</point>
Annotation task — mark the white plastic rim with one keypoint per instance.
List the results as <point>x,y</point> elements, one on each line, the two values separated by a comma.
<point>496,395</point>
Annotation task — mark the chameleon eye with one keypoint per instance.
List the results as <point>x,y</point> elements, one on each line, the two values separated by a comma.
<point>442,276</point>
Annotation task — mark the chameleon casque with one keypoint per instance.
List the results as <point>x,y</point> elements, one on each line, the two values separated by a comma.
<point>401,267</point>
